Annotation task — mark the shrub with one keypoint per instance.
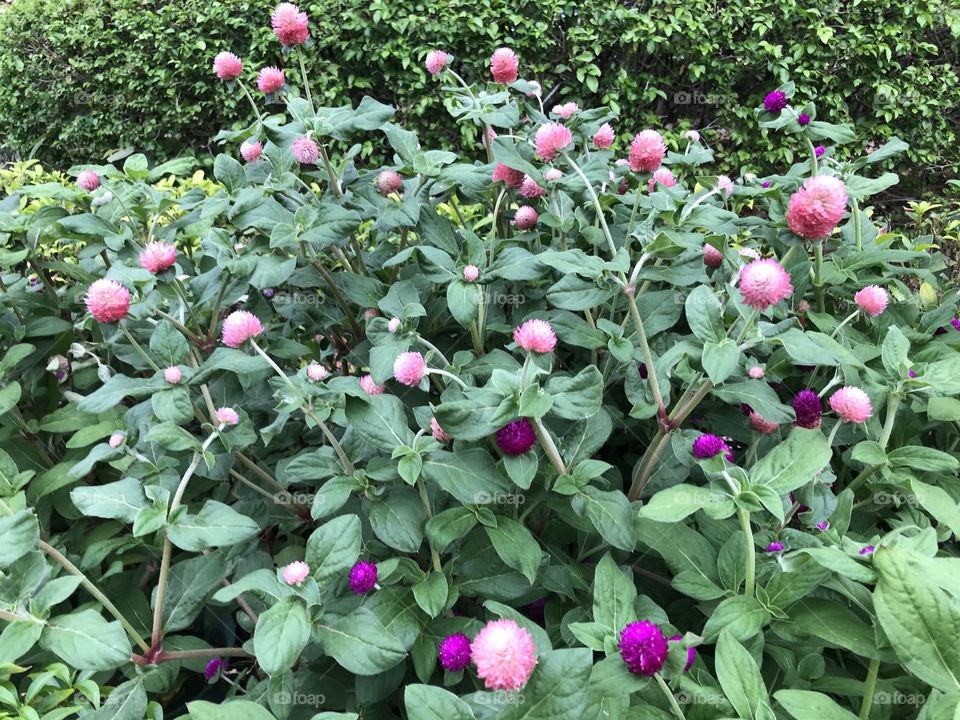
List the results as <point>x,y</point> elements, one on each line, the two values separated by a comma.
<point>591,440</point>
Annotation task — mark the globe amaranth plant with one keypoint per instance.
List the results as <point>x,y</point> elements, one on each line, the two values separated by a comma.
<point>565,430</point>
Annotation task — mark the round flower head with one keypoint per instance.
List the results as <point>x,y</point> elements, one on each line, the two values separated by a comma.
<point>708,446</point>
<point>116,440</point>
<point>711,256</point>
<point>803,119</point>
<point>819,150</point>
<point>226,416</point>
<point>759,423</point>
<point>765,184</point>
<point>317,372</point>
<point>363,577</point>
<point>868,550</point>
<point>725,185</point>
<point>535,335</point>
<point>507,175</point>
<point>517,437</point>
<point>504,654</point>
<point>239,327</point>
<point>172,375</point>
<point>88,180</point>
<point>566,111</point>
<point>643,648</point>
<point>214,668</point>
<point>872,300</point>
<point>250,151</point>
<point>393,324</point>
<point>775,101</point>
<point>604,137</point>
<point>227,66</point>
<point>530,189</point>
<point>305,150</point>
<point>823,525</point>
<point>270,80</point>
<point>157,256</point>
<point>774,547</point>
<point>296,572</point>
<point>370,387</point>
<point>691,652</point>
<point>107,300</point>
<point>525,217</point>
<point>663,177</point>
<point>551,139</point>
<point>388,182</point>
<point>436,61</point>
<point>503,66</point>
<point>438,433</point>
<point>409,368</point>
<point>646,151</point>
<point>808,408</point>
<point>290,25</point>
<point>454,652</point>
<point>816,208</point>
<point>553,174</point>
<point>852,404</point>
<point>692,135</point>
<point>471,273</point>
<point>535,89</point>
<point>764,283</point>
<point>756,372</point>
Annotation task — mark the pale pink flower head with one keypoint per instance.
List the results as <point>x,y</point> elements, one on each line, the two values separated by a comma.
<point>88,180</point>
<point>566,110</point>
<point>507,175</point>
<point>388,181</point>
<point>711,256</point>
<point>107,300</point>
<point>535,89</point>
<point>116,440</point>
<point>157,256</point>
<point>270,80</point>
<point>525,217</point>
<point>535,335</point>
<point>296,572</point>
<point>370,387</point>
<point>749,252</point>
<point>503,65</point>
<point>317,372</point>
<point>471,273</point>
<point>290,25</point>
<point>725,185</point>
<point>438,432</point>
<point>764,283</point>
<point>370,313</point>
<point>491,134</point>
<point>227,66</point>
<point>393,324</point>
<point>647,150</point>
<point>692,135</point>
<point>250,151</point>
<point>436,61</point>
<point>239,326</point>
<point>172,374</point>
<point>226,416</point>
<point>756,372</point>
<point>852,404</point>
<point>504,654</point>
<point>816,208</point>
<point>604,137</point>
<point>530,189</point>
<point>551,139</point>
<point>872,300</point>
<point>305,150</point>
<point>553,174</point>
<point>663,176</point>
<point>759,423</point>
<point>409,368</point>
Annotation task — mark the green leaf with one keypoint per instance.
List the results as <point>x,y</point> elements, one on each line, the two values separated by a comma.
<point>740,679</point>
<point>679,501</point>
<point>558,688</point>
<point>463,301</point>
<point>516,546</point>
<point>20,534</point>
<point>229,172</point>
<point>758,395</point>
<point>609,512</point>
<point>397,520</point>
<point>168,343</point>
<point>120,500</point>
<point>469,475</point>
<point>946,409</point>
<point>189,583</point>
<point>740,616</point>
<point>281,634</point>
<point>578,397</point>
<point>614,594</point>
<point>9,397</point>
<point>794,462</point>
<point>380,420</point>
<point>86,641</point>
<point>804,350</point>
<point>809,705</point>
<point>216,525</point>
<point>17,638</point>
<point>431,593</point>
<point>894,351</point>
<point>230,710</point>
<point>427,702</point>
<point>917,457</point>
<point>360,642</point>
<point>704,314</point>
<point>334,547</point>
<point>720,359</point>
<point>939,504</point>
<point>450,525</point>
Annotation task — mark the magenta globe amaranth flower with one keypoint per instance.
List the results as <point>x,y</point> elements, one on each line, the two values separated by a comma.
<point>504,654</point>
<point>107,300</point>
<point>819,150</point>
<point>226,416</point>
<point>227,66</point>
<point>157,256</point>
<point>504,65</point>
<point>775,101</point>
<point>370,387</point>
<point>643,648</point>
<point>823,526</point>
<point>707,446</point>
<point>88,180</point>
<point>566,110</point>
<point>603,138</point>
<point>529,188</point>
<point>808,408</point>
<point>290,25</point>
<point>517,437</point>
<point>691,652</point>
<point>471,273</point>
<point>251,150</point>
<point>388,181</point>
<point>803,119</point>
<point>363,577</point>
<point>817,207</point>
<point>764,283</point>
<point>774,547</point>
<point>661,176</point>
<point>454,652</point>
<point>214,669</point>
<point>852,404</point>
<point>759,423</point>
<point>868,550</point>
<point>712,257</point>
<point>507,175</point>
<point>438,432</point>
<point>525,218</point>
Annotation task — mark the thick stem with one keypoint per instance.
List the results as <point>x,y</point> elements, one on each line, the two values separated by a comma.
<point>446,374</point>
<point>596,204</point>
<point>549,447</point>
<point>331,175</point>
<point>893,402</point>
<point>814,165</point>
<point>674,705</point>
<point>434,555</point>
<point>751,570</point>
<point>857,229</point>
<point>645,350</point>
<point>869,687</point>
<point>202,653</point>
<point>306,80</point>
<point>139,348</point>
<point>817,281</point>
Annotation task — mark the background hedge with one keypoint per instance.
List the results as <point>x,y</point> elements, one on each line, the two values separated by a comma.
<point>79,78</point>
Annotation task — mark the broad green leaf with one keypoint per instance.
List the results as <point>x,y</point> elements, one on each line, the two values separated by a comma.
<point>677,502</point>
<point>334,547</point>
<point>86,641</point>
<point>120,500</point>
<point>360,642</point>
<point>216,525</point>
<point>794,462</point>
<point>809,705</point>
<point>230,710</point>
<point>704,314</point>
<point>720,359</point>
<point>427,702</point>
<point>613,595</point>
<point>281,634</point>
<point>19,534</point>
<point>516,546</point>
<point>740,679</point>
<point>380,420</point>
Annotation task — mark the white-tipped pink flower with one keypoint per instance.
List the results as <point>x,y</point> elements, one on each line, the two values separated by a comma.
<point>529,188</point>
<point>436,61</point>
<point>227,66</point>
<point>226,416</point>
<point>438,433</point>
<point>504,654</point>
<point>661,176</point>
<point>692,135</point>
<point>647,150</point>
<point>270,80</point>
<point>604,137</point>
<point>116,440</point>
<point>566,110</point>
<point>296,572</point>
<point>471,273</point>
<point>553,174</point>
<point>250,151</point>
<point>872,300</point>
<point>88,180</point>
<point>725,185</point>
<point>305,150</point>
<point>239,326</point>
<point>764,283</point>
<point>290,25</point>
<point>817,207</point>
<point>504,65</point>
<point>370,387</point>
<point>852,404</point>
<point>507,175</point>
<point>157,256</point>
<point>711,256</point>
<point>756,372</point>
<point>551,139</point>
<point>388,181</point>
<point>107,300</point>
<point>409,368</point>
<point>536,336</point>
<point>393,324</point>
<point>317,372</point>
<point>172,375</point>
<point>525,218</point>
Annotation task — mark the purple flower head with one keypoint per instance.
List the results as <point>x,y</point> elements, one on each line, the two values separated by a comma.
<point>765,183</point>
<point>823,526</point>
<point>809,409</point>
<point>775,101</point>
<point>746,409</point>
<point>708,446</point>
<point>804,119</point>
<point>643,648</point>
<point>454,652</point>
<point>956,323</point>
<point>363,577</point>
<point>268,293</point>
<point>868,550</point>
<point>642,369</point>
<point>774,547</point>
<point>911,374</point>
<point>517,437</point>
<point>691,652</point>
<point>214,668</point>
<point>819,150</point>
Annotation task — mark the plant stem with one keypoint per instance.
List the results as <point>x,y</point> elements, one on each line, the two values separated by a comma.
<point>338,296</point>
<point>817,281</point>
<point>549,447</point>
<point>674,705</point>
<point>596,204</point>
<point>870,686</point>
<point>306,81</point>
<point>847,319</point>
<point>215,314</point>
<point>139,348</point>
<point>434,555</point>
<point>751,571</point>
<point>857,225</point>
<point>645,350</point>
<point>202,653</point>
<point>447,375</point>
<point>893,402</point>
<point>331,175</point>
<point>253,104</point>
<point>814,165</point>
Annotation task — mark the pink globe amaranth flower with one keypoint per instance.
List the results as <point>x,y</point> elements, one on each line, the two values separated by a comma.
<point>643,648</point>
<point>536,336</point>
<point>317,372</point>
<point>646,151</point>
<point>551,139</point>
<point>816,208</point>
<point>749,252</point>
<point>296,572</point>
<point>504,654</point>
<point>270,80</point>
<point>172,374</point>
<point>535,89</point>
<point>872,300</point>
<point>774,547</point>
<point>852,404</point>
<point>363,577</point>
<point>756,372</point>
<point>566,110</point>
<point>517,437</point>
<point>157,256</point>
<point>116,440</point>
<point>529,188</point>
<point>227,66</point>
<point>603,138</point>
<point>692,135</point>
<point>775,101</point>
<point>662,176</point>
<point>250,151</point>
<point>471,273</point>
<point>88,180</point>
<point>707,446</point>
<point>868,550</point>
<point>290,25</point>
<point>438,432</point>
<point>370,313</point>
<point>725,185</point>
<point>107,300</point>
<point>691,652</point>
<point>491,134</point>
<point>454,652</point>
<point>711,256</point>
<point>764,283</point>
<point>553,174</point>
<point>503,66</point>
<point>239,326</point>
<point>214,668</point>
<point>409,368</point>
<point>393,324</point>
<point>507,175</point>
<point>759,423</point>
<point>305,150</point>
<point>388,181</point>
<point>808,408</point>
<point>525,217</point>
<point>226,416</point>
<point>370,387</point>
<point>436,61</point>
